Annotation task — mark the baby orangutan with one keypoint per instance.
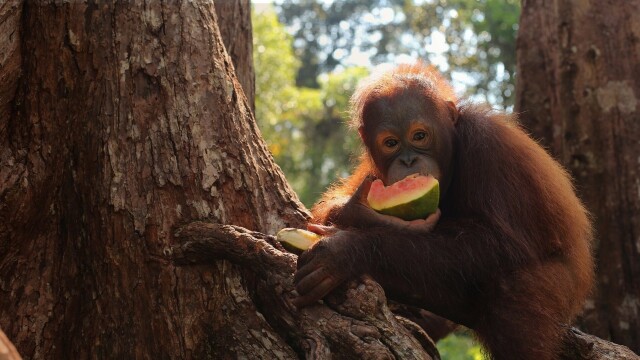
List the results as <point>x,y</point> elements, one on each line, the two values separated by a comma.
<point>508,255</point>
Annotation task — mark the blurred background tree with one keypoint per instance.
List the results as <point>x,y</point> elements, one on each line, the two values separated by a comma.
<point>310,54</point>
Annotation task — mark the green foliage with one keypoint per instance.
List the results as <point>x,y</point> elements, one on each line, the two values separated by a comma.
<point>481,42</point>
<point>276,68</point>
<point>479,38</point>
<point>304,127</point>
<point>330,146</point>
<point>328,33</point>
<point>459,346</point>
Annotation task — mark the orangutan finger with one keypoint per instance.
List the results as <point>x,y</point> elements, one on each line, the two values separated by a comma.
<point>308,282</point>
<point>316,294</point>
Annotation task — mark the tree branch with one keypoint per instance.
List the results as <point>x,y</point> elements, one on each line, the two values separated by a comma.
<point>578,346</point>
<point>204,243</point>
<point>354,321</point>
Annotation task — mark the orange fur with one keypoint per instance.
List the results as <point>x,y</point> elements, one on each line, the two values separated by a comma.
<point>511,254</point>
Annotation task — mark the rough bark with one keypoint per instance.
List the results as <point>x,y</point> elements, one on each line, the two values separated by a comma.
<point>127,120</point>
<point>10,59</point>
<point>234,22</point>
<point>578,346</point>
<point>578,89</point>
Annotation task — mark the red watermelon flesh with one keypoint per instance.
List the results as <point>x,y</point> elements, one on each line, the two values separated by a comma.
<point>414,197</point>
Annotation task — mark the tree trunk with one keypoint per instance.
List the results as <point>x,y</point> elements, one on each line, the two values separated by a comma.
<point>578,89</point>
<point>126,120</point>
<point>234,22</point>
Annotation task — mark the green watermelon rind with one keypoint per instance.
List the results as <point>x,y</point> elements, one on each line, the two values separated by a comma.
<point>419,208</point>
<point>297,238</point>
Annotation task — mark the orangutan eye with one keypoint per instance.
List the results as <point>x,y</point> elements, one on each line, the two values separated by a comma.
<point>420,135</point>
<point>390,143</point>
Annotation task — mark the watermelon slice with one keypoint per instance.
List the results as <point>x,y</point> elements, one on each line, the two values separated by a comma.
<point>411,198</point>
<point>297,239</point>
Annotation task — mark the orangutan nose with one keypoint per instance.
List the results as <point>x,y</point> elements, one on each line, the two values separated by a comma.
<point>408,159</point>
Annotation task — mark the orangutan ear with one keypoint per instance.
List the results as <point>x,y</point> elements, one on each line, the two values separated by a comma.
<point>363,136</point>
<point>453,109</point>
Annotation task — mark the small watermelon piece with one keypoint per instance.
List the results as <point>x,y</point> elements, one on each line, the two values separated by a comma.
<point>298,239</point>
<point>411,198</point>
